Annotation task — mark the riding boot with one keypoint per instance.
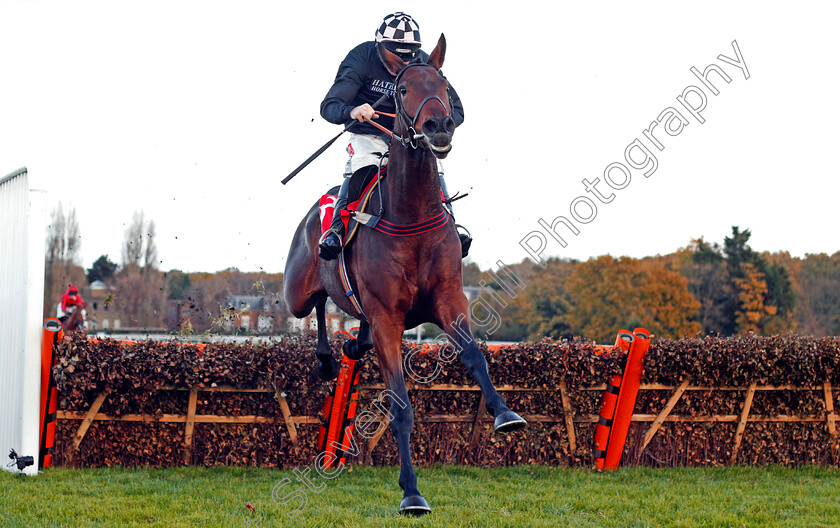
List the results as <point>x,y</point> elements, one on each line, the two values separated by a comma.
<point>465,238</point>
<point>329,247</point>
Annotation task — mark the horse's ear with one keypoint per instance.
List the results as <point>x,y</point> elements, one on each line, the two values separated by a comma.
<point>393,63</point>
<point>438,54</point>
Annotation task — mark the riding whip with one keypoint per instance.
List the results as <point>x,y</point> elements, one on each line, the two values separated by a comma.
<point>321,150</point>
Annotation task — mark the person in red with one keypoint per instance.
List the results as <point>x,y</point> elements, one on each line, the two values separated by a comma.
<point>71,300</point>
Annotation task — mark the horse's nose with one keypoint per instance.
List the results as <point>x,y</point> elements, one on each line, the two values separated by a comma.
<point>438,125</point>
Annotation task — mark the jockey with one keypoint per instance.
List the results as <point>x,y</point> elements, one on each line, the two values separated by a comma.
<point>70,301</point>
<point>361,80</point>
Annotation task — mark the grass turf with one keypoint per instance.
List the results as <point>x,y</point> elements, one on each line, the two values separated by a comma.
<point>459,496</point>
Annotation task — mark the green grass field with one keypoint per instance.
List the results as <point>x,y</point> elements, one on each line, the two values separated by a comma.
<point>459,496</point>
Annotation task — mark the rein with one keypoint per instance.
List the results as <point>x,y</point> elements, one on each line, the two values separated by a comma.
<point>410,124</point>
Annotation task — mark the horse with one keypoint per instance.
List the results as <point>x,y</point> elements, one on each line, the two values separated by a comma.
<point>404,281</point>
<point>74,321</point>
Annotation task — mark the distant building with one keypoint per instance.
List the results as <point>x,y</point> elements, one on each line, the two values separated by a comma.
<point>266,314</point>
<point>99,317</point>
<point>337,321</point>
<point>250,313</point>
<point>473,292</point>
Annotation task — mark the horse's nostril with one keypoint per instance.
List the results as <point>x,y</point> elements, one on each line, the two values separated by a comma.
<point>449,125</point>
<point>439,125</point>
<point>430,126</point>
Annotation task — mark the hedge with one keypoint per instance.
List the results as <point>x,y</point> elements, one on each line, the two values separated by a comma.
<point>135,373</point>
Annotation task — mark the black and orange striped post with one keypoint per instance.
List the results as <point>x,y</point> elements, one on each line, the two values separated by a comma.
<point>340,410</point>
<point>52,336</point>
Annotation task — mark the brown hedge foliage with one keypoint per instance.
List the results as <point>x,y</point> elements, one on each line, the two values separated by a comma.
<point>133,372</point>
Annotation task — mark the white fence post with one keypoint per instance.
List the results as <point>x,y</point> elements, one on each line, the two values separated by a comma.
<point>22,252</point>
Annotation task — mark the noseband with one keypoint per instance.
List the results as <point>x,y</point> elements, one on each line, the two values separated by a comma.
<point>410,124</point>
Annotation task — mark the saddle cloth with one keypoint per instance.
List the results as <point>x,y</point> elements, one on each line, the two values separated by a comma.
<point>357,213</point>
<point>326,209</point>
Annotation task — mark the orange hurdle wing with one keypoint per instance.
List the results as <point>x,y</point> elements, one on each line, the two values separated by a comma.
<point>52,335</point>
<point>624,340</point>
<point>334,434</point>
<point>627,398</point>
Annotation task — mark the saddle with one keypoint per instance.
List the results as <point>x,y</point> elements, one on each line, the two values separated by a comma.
<point>355,213</point>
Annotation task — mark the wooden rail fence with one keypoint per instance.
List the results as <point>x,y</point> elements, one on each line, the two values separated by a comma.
<point>569,419</point>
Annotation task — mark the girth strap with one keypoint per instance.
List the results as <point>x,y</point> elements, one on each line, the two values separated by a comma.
<point>401,230</point>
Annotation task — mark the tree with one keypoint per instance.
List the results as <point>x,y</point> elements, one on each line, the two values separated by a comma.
<point>140,289</point>
<point>737,251</point>
<point>818,308</point>
<point>470,273</point>
<point>139,298</point>
<point>727,280</point>
<point>752,289</point>
<point>62,252</point>
<point>139,247</point>
<point>512,303</point>
<point>612,294</point>
<point>177,284</point>
<point>709,281</point>
<point>545,302</point>
<point>102,269</point>
<point>747,269</point>
<point>150,255</point>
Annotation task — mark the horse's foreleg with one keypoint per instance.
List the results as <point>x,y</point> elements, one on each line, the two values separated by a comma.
<point>388,342</point>
<point>327,365</point>
<point>356,348</point>
<point>457,327</point>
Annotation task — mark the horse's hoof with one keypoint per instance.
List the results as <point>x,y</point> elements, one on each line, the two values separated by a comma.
<point>328,371</point>
<point>352,349</point>
<point>414,505</point>
<point>508,421</point>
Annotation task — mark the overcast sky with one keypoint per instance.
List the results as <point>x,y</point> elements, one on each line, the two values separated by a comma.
<point>194,111</point>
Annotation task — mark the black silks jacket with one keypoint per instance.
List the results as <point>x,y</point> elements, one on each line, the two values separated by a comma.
<point>362,78</point>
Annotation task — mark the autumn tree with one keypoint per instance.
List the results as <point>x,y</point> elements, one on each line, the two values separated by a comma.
<point>611,294</point>
<point>544,305</point>
<point>748,270</point>
<point>727,280</point>
<point>508,299</point>
<point>752,289</point>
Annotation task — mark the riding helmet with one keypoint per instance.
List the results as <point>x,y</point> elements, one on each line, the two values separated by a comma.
<point>399,34</point>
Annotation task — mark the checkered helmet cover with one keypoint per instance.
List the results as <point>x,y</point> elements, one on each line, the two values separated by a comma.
<point>399,27</point>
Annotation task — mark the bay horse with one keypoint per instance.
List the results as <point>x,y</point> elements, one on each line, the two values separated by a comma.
<point>75,320</point>
<point>400,281</point>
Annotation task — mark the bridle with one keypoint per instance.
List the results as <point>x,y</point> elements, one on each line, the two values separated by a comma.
<point>409,123</point>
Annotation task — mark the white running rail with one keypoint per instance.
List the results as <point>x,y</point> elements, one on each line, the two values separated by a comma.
<point>22,240</point>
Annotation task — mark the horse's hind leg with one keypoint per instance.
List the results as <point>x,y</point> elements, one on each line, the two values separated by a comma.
<point>327,365</point>
<point>356,348</point>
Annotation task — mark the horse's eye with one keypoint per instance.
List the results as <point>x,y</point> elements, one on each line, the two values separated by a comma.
<point>403,90</point>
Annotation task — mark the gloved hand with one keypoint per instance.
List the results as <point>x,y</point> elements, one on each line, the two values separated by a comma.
<point>363,113</point>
